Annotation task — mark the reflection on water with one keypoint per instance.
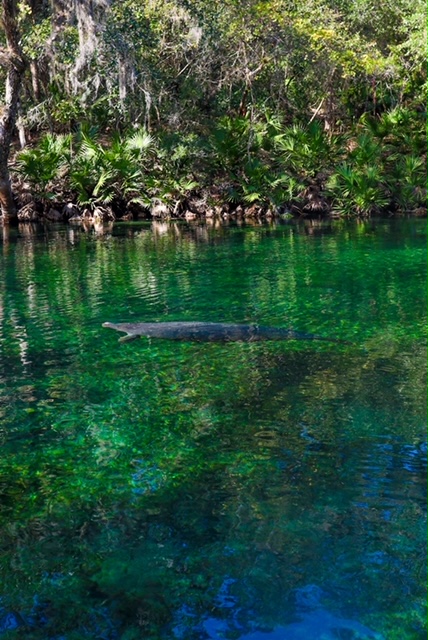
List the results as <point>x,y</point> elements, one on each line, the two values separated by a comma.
<point>252,491</point>
<point>313,621</point>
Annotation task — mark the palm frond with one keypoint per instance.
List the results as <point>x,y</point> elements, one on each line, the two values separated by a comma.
<point>139,141</point>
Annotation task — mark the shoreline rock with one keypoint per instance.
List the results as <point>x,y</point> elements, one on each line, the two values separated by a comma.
<point>201,206</point>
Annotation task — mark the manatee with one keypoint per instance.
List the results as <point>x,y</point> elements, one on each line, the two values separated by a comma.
<point>209,332</point>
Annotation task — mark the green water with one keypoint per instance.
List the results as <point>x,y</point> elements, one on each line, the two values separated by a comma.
<point>192,491</point>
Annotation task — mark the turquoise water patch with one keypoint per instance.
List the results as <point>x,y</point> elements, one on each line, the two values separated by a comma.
<point>158,489</point>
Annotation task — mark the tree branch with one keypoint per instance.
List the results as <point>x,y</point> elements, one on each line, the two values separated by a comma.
<point>10,59</point>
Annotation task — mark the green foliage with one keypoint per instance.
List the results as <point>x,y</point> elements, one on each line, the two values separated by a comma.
<point>180,64</point>
<point>105,173</point>
<point>307,150</point>
<point>232,142</point>
<point>267,98</point>
<point>400,130</point>
<point>251,154</point>
<point>264,162</point>
<point>356,186</point>
<point>65,111</point>
<point>406,181</point>
<point>252,184</point>
<point>387,124</point>
<point>357,190</point>
<point>366,151</point>
<point>35,38</point>
<point>45,163</point>
<point>259,183</point>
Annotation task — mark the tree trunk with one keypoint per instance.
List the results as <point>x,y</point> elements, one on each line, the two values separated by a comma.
<point>13,60</point>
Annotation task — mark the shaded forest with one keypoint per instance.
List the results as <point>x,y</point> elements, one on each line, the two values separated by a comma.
<point>164,108</point>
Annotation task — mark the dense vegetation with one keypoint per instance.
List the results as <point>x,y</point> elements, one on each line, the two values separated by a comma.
<point>168,106</point>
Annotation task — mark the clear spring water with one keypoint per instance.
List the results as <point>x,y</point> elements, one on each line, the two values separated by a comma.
<point>195,491</point>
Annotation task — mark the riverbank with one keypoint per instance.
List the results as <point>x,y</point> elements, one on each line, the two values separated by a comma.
<point>201,206</point>
<point>191,209</point>
<point>237,168</point>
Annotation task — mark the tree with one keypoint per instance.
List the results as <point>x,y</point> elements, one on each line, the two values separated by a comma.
<point>12,59</point>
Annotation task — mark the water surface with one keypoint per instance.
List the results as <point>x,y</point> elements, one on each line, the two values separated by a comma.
<point>193,491</point>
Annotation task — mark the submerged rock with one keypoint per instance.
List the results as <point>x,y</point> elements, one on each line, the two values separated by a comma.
<point>53,215</point>
<point>70,211</point>
<point>103,214</point>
